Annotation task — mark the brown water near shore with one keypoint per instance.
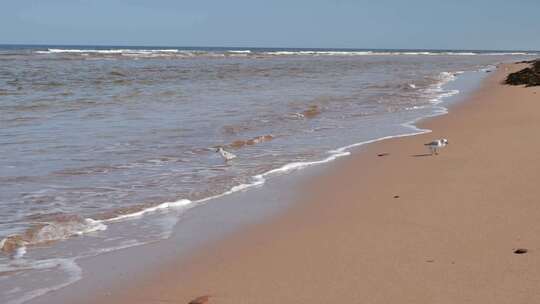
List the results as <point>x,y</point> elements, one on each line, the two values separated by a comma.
<point>406,227</point>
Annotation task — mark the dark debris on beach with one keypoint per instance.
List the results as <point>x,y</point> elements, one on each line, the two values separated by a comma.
<point>529,76</point>
<point>521,251</point>
<point>200,300</point>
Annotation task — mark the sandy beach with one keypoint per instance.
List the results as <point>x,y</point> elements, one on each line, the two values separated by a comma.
<point>406,227</point>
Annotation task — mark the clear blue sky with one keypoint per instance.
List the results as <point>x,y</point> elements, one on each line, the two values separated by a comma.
<point>439,24</point>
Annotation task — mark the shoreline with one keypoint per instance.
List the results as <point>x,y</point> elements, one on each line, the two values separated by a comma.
<point>206,273</point>
<point>288,259</point>
<point>17,244</point>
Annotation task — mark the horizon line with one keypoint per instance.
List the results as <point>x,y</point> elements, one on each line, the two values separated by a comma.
<point>262,47</point>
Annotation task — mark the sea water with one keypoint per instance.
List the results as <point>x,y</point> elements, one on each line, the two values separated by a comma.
<point>113,145</point>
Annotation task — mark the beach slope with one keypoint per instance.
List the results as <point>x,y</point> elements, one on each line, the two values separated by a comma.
<point>406,227</point>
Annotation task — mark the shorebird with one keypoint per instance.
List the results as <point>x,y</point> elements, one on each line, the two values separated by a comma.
<point>435,145</point>
<point>225,154</point>
<point>298,116</point>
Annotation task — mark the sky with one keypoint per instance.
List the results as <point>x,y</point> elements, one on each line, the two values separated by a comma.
<point>372,24</point>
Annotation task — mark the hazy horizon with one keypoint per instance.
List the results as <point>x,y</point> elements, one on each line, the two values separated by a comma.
<point>249,47</point>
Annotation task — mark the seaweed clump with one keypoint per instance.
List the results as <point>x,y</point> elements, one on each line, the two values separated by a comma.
<point>529,76</point>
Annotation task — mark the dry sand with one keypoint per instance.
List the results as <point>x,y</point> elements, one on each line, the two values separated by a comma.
<point>402,228</point>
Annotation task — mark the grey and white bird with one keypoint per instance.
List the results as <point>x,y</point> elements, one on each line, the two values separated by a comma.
<point>436,145</point>
<point>225,154</point>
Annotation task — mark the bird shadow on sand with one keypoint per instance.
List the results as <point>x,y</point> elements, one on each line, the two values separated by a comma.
<point>422,155</point>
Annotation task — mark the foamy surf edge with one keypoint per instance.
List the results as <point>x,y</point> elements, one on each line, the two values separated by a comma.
<point>90,225</point>
<point>16,245</point>
<point>260,179</point>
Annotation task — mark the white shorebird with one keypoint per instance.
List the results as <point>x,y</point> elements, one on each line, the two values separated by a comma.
<point>435,145</point>
<point>225,154</point>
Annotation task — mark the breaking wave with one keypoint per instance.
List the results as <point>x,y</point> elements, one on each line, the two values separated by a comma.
<point>182,53</point>
<point>60,227</point>
<point>110,51</point>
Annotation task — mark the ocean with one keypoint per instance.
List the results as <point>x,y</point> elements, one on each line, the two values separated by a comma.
<point>115,144</point>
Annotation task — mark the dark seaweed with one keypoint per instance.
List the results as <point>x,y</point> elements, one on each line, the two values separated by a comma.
<point>529,76</point>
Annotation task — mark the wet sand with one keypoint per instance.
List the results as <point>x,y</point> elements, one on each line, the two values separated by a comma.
<point>406,227</point>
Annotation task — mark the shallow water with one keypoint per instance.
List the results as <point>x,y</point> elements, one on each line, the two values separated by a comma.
<point>96,139</point>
